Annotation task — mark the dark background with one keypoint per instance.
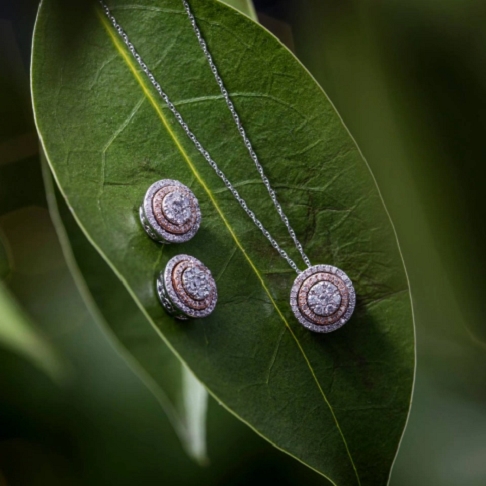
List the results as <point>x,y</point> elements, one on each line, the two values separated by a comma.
<point>409,79</point>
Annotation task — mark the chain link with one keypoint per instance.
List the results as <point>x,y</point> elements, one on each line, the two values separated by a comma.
<point>202,150</point>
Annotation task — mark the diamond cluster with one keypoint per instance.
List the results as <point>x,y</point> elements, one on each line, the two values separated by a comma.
<point>188,286</point>
<point>196,283</point>
<point>170,212</point>
<point>177,207</point>
<point>322,298</point>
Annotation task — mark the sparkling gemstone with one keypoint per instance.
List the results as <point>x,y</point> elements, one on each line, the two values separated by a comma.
<point>196,283</point>
<point>177,207</point>
<point>324,299</point>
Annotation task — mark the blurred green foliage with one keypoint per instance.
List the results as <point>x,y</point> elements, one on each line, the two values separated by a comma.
<point>408,79</point>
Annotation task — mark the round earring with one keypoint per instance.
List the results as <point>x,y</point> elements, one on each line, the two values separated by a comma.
<point>323,298</point>
<point>186,288</point>
<point>170,212</point>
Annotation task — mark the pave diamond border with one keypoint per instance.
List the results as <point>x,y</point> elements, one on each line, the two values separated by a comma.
<point>298,292</point>
<point>149,220</point>
<point>172,295</point>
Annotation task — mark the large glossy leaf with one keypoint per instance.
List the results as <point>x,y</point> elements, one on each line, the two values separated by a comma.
<point>172,383</point>
<point>337,402</point>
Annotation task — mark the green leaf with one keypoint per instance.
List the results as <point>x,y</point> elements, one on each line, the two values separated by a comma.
<point>166,377</point>
<point>336,402</point>
<point>19,335</point>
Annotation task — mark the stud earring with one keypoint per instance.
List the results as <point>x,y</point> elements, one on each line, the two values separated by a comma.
<point>186,288</point>
<point>170,212</point>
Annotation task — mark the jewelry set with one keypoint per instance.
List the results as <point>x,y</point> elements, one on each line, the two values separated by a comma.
<point>322,297</point>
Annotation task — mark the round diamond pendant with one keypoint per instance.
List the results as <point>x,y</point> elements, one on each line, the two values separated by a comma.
<point>170,212</point>
<point>323,298</point>
<point>186,288</point>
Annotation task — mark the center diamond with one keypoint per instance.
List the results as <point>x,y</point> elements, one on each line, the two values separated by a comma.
<point>177,207</point>
<point>196,283</point>
<point>324,299</point>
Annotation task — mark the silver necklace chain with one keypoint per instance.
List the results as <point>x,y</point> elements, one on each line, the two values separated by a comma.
<point>242,132</point>
<point>202,150</point>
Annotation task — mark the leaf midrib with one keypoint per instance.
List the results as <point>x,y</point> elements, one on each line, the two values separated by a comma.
<point>148,93</point>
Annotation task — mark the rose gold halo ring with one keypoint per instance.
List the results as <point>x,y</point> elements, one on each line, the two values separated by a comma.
<point>170,212</point>
<point>186,288</point>
<point>323,298</point>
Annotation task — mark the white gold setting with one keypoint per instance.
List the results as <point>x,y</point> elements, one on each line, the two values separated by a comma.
<point>170,212</point>
<point>322,298</point>
<point>186,288</point>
